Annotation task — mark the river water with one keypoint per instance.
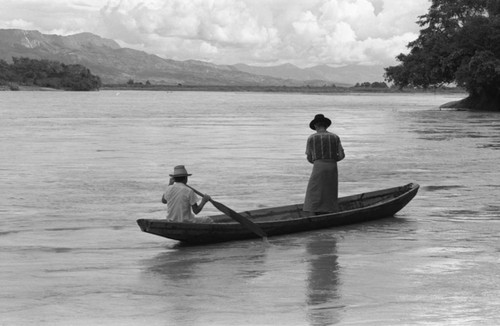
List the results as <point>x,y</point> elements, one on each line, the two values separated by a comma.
<point>77,170</point>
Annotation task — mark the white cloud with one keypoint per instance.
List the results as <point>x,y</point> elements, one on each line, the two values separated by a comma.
<point>230,31</point>
<point>55,16</point>
<point>18,24</point>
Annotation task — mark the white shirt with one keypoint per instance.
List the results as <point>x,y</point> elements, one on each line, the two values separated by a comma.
<point>179,201</point>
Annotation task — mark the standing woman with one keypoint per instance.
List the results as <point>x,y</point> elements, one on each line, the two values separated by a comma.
<point>323,150</point>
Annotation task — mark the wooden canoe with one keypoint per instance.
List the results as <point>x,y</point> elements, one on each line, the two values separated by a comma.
<point>274,221</point>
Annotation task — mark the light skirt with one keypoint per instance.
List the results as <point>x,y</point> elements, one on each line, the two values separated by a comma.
<point>322,190</point>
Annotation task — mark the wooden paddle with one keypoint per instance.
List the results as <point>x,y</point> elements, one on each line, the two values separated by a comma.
<point>235,216</point>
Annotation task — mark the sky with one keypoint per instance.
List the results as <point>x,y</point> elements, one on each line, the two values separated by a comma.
<point>256,32</point>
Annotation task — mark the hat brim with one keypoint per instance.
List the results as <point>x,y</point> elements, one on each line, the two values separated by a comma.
<point>180,175</point>
<point>326,120</point>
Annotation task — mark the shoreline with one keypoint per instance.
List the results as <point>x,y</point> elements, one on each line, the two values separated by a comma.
<point>276,89</point>
<point>258,89</point>
<point>5,88</point>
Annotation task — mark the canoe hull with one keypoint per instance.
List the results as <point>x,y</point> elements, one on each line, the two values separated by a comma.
<point>287,219</point>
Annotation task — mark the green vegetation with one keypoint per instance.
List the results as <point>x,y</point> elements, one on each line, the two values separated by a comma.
<point>138,86</point>
<point>45,73</point>
<point>459,43</point>
<point>372,85</point>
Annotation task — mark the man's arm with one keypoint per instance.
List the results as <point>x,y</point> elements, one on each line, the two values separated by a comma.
<point>171,182</point>
<point>197,208</point>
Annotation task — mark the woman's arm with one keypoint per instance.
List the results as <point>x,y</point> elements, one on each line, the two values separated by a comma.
<point>340,151</point>
<point>309,150</point>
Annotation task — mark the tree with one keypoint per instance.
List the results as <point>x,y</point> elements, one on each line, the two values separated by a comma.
<point>379,85</point>
<point>79,78</point>
<point>45,73</point>
<point>5,72</point>
<point>459,43</point>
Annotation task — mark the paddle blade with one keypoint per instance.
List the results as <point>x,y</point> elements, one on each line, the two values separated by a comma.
<point>235,216</point>
<point>239,218</point>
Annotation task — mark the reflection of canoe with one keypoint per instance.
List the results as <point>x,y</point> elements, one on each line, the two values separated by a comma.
<point>287,219</point>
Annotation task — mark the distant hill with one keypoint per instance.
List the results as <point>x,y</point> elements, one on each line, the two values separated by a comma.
<point>117,65</point>
<point>114,64</point>
<point>341,76</point>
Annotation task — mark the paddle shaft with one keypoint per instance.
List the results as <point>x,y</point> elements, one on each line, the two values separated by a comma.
<point>238,217</point>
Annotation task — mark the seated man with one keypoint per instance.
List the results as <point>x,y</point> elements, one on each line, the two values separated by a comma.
<point>181,200</point>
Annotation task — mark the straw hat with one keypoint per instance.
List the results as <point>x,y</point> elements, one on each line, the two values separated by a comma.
<point>180,171</point>
<point>318,119</point>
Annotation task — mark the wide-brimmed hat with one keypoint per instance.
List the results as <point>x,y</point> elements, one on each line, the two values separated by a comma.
<point>180,171</point>
<point>319,118</point>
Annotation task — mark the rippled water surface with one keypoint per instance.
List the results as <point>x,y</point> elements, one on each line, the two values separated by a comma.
<point>77,170</point>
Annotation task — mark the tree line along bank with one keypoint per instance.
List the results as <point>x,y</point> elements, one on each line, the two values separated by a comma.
<point>46,73</point>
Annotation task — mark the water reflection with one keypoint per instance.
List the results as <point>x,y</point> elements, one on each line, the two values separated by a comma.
<point>322,281</point>
<point>182,263</point>
<point>201,284</point>
<point>176,265</point>
<point>220,279</point>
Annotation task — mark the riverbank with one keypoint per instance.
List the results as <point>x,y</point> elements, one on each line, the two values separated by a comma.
<point>16,88</point>
<point>239,88</point>
<point>479,103</point>
<point>274,89</point>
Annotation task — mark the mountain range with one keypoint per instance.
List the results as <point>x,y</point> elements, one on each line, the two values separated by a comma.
<point>114,64</point>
